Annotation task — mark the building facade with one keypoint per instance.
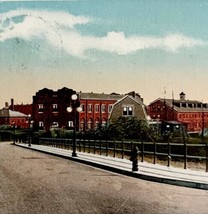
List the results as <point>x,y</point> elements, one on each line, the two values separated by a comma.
<point>13,118</point>
<point>23,108</point>
<point>128,106</point>
<point>96,109</point>
<point>50,109</point>
<point>192,113</point>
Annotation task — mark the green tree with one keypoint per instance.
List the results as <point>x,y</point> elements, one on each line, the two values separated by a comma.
<point>128,128</point>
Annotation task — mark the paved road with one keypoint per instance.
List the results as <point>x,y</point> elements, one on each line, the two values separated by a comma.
<point>32,182</point>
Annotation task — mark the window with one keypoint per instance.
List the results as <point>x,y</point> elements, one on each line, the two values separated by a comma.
<point>55,124</point>
<point>97,108</point>
<point>83,107</point>
<point>104,123</point>
<point>89,108</point>
<point>40,108</point>
<point>55,107</point>
<point>82,125</point>
<point>70,123</point>
<point>89,124</point>
<point>97,123</point>
<point>127,111</point>
<point>110,108</point>
<point>103,108</point>
<point>41,124</point>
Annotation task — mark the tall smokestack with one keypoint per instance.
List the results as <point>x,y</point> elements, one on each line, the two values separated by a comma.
<point>12,104</point>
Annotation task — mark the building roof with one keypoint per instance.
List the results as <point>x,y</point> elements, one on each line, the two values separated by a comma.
<point>184,105</point>
<point>137,100</point>
<point>9,113</point>
<point>100,96</point>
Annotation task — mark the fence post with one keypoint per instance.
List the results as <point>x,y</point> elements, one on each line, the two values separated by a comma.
<point>80,145</point>
<point>84,145</point>
<point>88,145</point>
<point>142,147</point>
<point>100,147</point>
<point>206,157</point>
<point>131,145</point>
<point>154,153</point>
<point>94,145</point>
<point>106,147</point>
<point>185,155</point>
<point>114,149</point>
<point>169,151</point>
<point>122,152</point>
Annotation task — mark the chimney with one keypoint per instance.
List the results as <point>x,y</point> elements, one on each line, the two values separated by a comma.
<point>12,104</point>
<point>132,93</point>
<point>6,105</point>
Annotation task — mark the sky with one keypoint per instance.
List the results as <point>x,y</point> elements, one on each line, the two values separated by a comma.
<point>156,48</point>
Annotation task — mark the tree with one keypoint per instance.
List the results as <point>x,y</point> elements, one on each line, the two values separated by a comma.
<point>127,128</point>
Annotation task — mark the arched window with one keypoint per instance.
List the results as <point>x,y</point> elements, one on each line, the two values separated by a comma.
<point>97,123</point>
<point>82,124</point>
<point>89,124</point>
<point>104,122</point>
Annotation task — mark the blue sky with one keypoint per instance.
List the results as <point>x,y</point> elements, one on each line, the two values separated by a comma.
<point>104,46</point>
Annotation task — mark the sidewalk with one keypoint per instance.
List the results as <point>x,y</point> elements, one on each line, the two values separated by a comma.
<point>151,172</point>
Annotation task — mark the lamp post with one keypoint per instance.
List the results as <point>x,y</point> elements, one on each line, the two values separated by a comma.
<point>29,127</point>
<point>14,134</point>
<point>73,109</point>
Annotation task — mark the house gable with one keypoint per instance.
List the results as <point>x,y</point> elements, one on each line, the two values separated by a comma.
<point>136,106</point>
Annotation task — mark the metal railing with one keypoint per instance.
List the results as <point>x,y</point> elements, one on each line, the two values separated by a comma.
<point>167,152</point>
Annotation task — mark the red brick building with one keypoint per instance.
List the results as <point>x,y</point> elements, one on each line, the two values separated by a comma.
<point>23,108</point>
<point>96,109</point>
<point>190,112</point>
<point>11,118</point>
<point>50,109</point>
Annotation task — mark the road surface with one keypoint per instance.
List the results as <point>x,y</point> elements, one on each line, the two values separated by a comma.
<point>33,182</point>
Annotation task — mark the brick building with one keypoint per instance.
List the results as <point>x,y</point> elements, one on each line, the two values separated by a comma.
<point>23,108</point>
<point>96,109</point>
<point>49,109</point>
<point>190,112</point>
<point>11,118</point>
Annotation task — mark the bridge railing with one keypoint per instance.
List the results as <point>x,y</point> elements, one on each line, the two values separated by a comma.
<point>157,152</point>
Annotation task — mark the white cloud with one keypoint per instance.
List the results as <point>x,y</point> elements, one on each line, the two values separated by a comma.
<point>58,30</point>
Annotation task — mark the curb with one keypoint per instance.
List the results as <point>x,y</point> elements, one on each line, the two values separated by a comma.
<point>189,184</point>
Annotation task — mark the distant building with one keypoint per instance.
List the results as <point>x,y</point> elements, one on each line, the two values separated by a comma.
<point>50,109</point>
<point>23,108</point>
<point>11,118</point>
<point>128,106</point>
<point>192,113</point>
<point>99,108</point>
<point>96,109</point>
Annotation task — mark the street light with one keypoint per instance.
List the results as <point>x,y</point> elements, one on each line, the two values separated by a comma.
<point>14,134</point>
<point>73,109</point>
<point>29,127</point>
